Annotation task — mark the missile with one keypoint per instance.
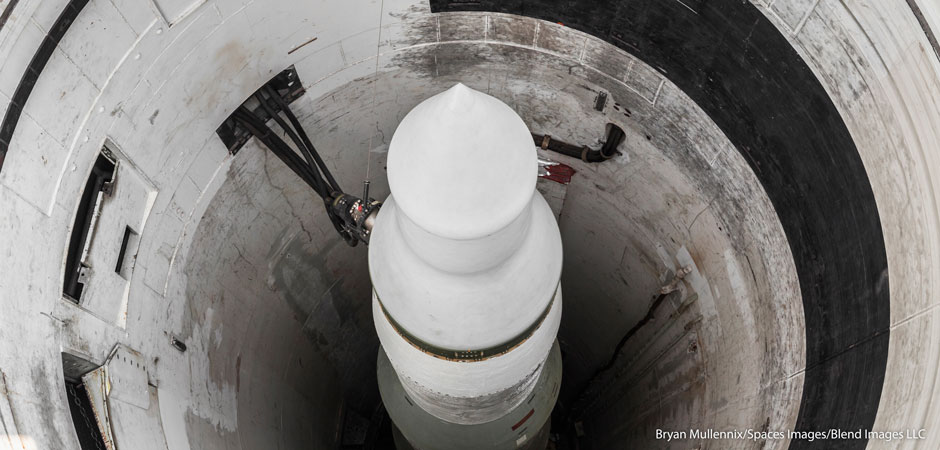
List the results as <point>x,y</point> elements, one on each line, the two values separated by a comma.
<point>465,259</point>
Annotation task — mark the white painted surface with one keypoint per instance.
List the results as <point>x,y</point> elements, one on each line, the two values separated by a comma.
<point>471,262</point>
<point>127,375</point>
<point>140,428</point>
<point>462,164</point>
<point>426,431</point>
<point>477,258</point>
<point>107,290</point>
<point>430,380</point>
<point>466,311</point>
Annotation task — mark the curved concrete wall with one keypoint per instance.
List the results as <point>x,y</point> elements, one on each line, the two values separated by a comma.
<point>237,261</point>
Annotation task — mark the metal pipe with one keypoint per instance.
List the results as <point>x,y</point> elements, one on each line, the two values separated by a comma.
<point>615,136</point>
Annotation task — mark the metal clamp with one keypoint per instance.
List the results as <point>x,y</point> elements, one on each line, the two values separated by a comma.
<point>545,141</point>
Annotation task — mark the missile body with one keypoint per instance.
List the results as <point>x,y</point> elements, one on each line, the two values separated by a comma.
<point>465,259</point>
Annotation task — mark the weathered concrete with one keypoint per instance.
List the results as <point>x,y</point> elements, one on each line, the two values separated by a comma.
<point>269,337</point>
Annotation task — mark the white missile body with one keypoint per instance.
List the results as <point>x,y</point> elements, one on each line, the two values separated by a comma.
<point>465,259</point>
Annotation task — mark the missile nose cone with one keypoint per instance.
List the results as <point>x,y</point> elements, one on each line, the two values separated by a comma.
<point>462,164</point>
<point>459,98</point>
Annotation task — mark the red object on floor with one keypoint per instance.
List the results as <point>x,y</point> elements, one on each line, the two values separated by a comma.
<point>559,173</point>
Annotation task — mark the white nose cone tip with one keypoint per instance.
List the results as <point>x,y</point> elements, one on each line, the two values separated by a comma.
<point>462,164</point>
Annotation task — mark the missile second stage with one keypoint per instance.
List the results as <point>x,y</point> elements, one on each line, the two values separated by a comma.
<point>465,259</point>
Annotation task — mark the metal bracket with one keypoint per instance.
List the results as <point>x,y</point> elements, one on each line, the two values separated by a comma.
<point>84,273</point>
<point>674,284</point>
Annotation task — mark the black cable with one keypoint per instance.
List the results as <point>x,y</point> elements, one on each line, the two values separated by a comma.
<point>310,154</point>
<point>349,215</point>
<point>312,176</point>
<point>290,133</point>
<point>303,135</point>
<point>272,141</point>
